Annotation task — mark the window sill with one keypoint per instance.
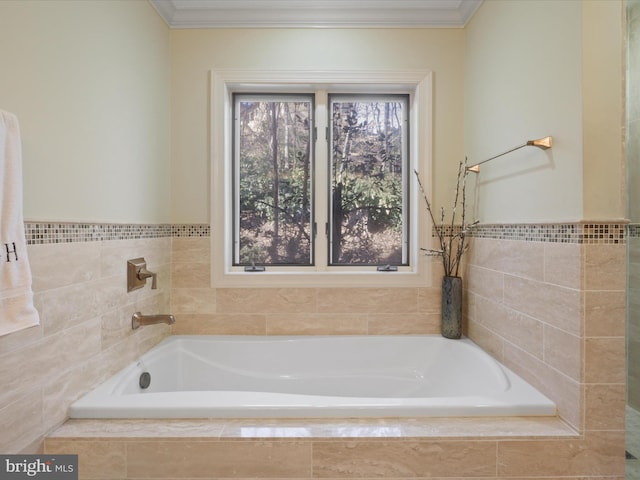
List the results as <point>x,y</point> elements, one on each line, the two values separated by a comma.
<point>279,279</point>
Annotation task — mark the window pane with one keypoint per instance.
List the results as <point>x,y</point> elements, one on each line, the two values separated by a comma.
<point>273,168</point>
<point>368,195</point>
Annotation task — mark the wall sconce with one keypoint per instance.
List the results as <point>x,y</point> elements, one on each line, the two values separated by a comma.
<point>542,143</point>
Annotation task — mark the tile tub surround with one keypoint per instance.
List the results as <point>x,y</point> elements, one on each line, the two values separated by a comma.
<point>553,309</point>
<point>633,332</point>
<point>338,449</point>
<point>597,449</point>
<point>79,281</point>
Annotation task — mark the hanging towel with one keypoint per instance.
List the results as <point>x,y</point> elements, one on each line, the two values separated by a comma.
<point>16,296</point>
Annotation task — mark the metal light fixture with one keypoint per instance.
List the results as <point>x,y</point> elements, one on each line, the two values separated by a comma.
<point>542,143</point>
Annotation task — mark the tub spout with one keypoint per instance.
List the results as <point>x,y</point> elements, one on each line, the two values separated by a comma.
<point>139,320</point>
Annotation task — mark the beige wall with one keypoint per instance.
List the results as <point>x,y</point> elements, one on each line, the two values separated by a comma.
<point>546,68</point>
<point>603,104</point>
<point>195,52</point>
<point>89,82</point>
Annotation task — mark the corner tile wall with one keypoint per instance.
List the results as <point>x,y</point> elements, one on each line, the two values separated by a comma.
<point>549,302</point>
<point>633,327</point>
<point>79,282</point>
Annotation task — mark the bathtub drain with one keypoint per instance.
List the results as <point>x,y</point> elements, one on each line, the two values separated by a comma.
<point>145,380</point>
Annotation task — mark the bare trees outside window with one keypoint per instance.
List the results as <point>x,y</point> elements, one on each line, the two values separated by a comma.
<point>366,165</point>
<point>273,170</point>
<point>368,179</point>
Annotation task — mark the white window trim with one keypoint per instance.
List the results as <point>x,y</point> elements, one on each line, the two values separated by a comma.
<point>224,81</point>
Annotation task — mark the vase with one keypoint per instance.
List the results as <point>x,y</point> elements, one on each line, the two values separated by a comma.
<point>451,307</point>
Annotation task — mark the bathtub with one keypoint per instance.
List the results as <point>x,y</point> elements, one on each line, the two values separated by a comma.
<point>314,376</point>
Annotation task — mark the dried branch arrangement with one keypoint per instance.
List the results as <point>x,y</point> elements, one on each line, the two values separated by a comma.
<point>452,237</point>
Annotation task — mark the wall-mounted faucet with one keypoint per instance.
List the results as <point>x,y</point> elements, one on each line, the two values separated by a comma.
<point>139,320</point>
<point>137,274</point>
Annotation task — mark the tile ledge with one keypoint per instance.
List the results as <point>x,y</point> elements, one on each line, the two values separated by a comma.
<point>398,429</point>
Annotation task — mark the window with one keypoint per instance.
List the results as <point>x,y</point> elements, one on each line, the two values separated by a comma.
<point>273,177</point>
<point>369,195</point>
<point>273,180</point>
<point>312,178</point>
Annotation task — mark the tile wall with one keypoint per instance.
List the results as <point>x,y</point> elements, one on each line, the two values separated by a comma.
<point>291,311</point>
<point>552,310</point>
<point>633,333</point>
<point>85,335</point>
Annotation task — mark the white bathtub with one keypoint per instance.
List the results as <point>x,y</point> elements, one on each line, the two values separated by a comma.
<point>336,376</point>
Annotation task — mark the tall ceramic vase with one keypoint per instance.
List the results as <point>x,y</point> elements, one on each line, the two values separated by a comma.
<point>451,307</point>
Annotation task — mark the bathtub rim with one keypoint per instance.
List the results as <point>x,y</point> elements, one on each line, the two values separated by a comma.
<point>88,405</point>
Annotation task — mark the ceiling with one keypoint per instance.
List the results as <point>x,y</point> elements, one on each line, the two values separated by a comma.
<point>315,13</point>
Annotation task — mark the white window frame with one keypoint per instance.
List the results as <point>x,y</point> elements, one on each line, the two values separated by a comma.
<point>226,81</point>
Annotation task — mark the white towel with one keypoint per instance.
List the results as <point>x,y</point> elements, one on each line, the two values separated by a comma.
<point>16,296</point>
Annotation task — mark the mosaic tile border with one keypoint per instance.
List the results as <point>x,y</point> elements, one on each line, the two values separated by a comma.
<point>190,230</point>
<point>38,233</point>
<point>581,233</point>
<point>633,230</point>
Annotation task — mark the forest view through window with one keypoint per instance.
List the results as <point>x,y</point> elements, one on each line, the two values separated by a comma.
<point>364,209</point>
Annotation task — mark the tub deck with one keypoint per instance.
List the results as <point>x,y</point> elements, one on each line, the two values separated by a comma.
<point>308,448</point>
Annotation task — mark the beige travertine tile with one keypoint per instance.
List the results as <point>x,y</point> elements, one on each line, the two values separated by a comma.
<point>46,359</point>
<point>605,407</point>
<point>89,300</point>
<point>220,324</point>
<point>405,429</point>
<point>482,428</point>
<point>190,275</point>
<point>605,313</point>
<point>557,306</point>
<point>510,325</point>
<point>563,264</point>
<point>116,253</point>
<point>20,421</point>
<point>193,300</point>
<point>488,340</point>
<point>603,267</point>
<point>127,429</point>
<point>317,324</point>
<point>514,257</point>
<point>563,351</point>
<point>241,459</point>
<point>96,459</point>
<point>601,453</point>
<point>605,360</point>
<point>564,391</point>
<point>191,249</point>
<point>430,300</point>
<point>115,326</point>
<point>367,300</point>
<point>405,324</point>
<point>486,283</point>
<point>21,339</point>
<point>62,264</point>
<point>403,459</point>
<point>266,300</point>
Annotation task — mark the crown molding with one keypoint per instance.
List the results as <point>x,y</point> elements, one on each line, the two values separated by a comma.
<point>316,13</point>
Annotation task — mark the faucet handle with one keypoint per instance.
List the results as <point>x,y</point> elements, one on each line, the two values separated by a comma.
<point>137,274</point>
<point>143,274</point>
